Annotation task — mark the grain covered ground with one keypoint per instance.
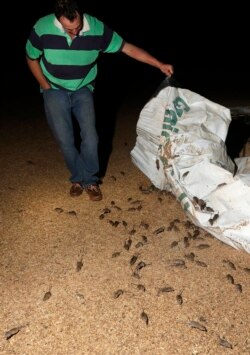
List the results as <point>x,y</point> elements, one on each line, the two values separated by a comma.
<point>127,275</point>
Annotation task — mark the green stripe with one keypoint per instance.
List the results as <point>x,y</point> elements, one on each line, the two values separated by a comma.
<point>70,57</point>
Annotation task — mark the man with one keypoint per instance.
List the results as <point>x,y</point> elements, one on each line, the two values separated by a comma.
<point>62,52</point>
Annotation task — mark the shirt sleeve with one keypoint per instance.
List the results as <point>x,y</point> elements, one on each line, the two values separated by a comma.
<point>116,44</point>
<point>34,48</point>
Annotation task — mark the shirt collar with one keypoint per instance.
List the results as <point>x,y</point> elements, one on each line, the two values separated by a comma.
<point>85,28</point>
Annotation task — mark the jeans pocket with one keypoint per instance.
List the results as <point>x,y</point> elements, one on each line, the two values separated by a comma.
<point>45,91</point>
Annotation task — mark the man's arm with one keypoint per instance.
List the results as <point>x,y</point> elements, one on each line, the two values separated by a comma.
<point>36,70</point>
<point>143,56</point>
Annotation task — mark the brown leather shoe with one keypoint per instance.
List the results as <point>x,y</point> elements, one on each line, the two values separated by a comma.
<point>94,192</point>
<point>75,190</point>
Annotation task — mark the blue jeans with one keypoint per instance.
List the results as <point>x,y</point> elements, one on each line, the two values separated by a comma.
<point>59,106</point>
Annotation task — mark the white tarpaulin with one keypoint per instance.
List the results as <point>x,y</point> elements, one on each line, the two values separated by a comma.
<point>180,147</point>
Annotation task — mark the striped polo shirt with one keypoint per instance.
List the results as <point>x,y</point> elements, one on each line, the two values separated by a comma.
<point>71,63</point>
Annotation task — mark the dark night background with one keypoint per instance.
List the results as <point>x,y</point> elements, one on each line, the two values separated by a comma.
<point>206,45</point>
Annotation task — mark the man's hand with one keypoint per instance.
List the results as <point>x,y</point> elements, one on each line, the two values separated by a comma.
<point>167,69</point>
